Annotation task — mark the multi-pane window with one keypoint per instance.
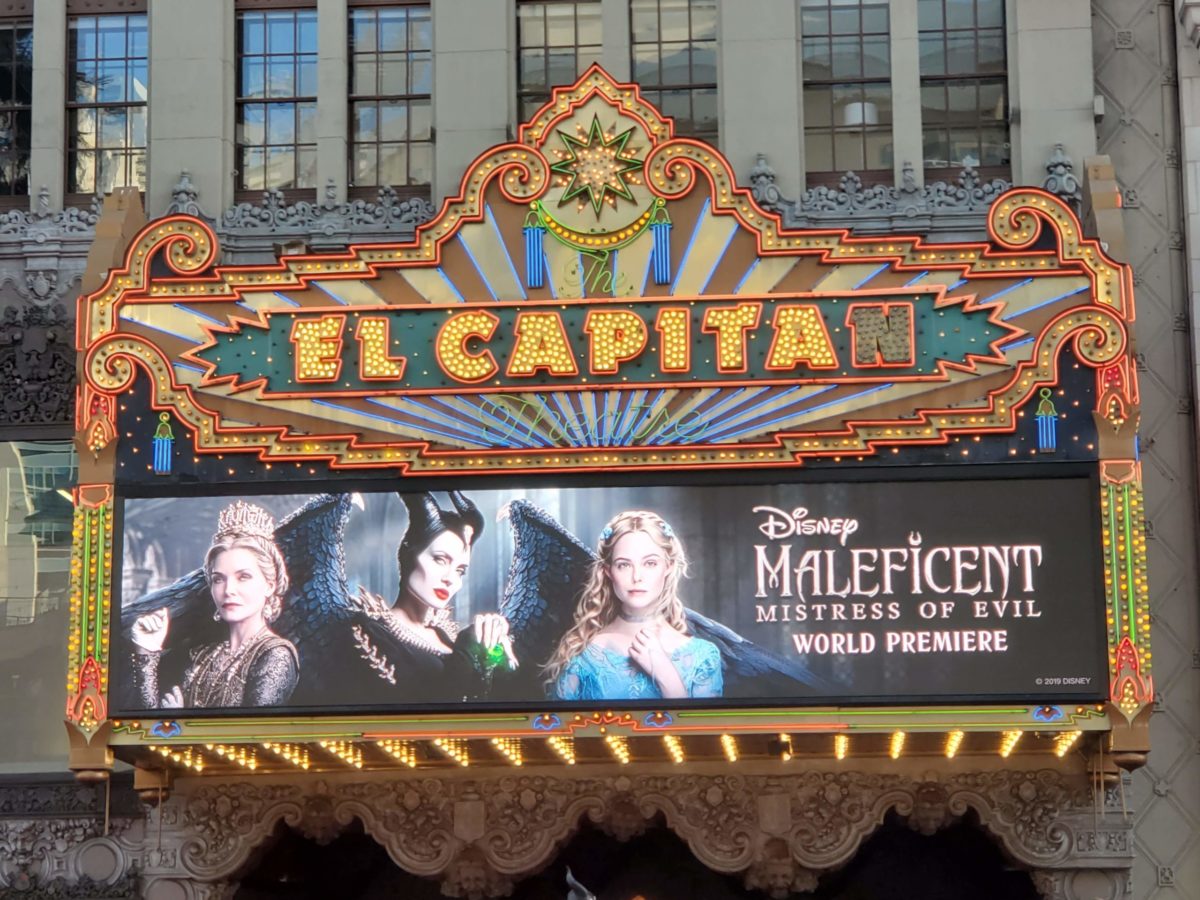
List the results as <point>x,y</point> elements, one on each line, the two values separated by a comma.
<point>277,100</point>
<point>847,88</point>
<point>106,141</point>
<point>16,83</point>
<point>964,111</point>
<point>556,42</point>
<point>674,46</point>
<point>391,82</point>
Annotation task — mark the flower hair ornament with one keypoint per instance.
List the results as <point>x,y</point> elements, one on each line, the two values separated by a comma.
<point>664,526</point>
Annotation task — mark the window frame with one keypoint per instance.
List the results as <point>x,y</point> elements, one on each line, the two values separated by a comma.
<point>977,78</point>
<point>13,200</point>
<point>98,11</point>
<point>654,91</point>
<point>537,97</point>
<point>366,191</point>
<point>244,8</point>
<point>863,82</point>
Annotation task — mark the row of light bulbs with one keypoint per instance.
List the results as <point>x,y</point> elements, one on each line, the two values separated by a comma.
<point>458,749</point>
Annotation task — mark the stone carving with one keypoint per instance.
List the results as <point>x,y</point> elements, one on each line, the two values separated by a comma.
<point>957,206</point>
<point>64,799</point>
<point>1024,809</point>
<point>37,365</point>
<point>1061,179</point>
<point>931,809</point>
<point>327,217</point>
<point>1048,883</point>
<point>478,834</point>
<point>849,196</point>
<point>762,186</point>
<point>471,876</point>
<point>966,192</point>
<point>776,873</point>
<point>30,847</point>
<point>185,198</point>
<point>43,223</point>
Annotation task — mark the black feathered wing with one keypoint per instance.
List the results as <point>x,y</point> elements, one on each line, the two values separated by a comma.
<point>751,671</point>
<point>548,570</point>
<point>311,540</point>
<point>547,574</point>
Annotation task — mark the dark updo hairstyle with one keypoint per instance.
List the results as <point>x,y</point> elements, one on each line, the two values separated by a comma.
<point>427,520</point>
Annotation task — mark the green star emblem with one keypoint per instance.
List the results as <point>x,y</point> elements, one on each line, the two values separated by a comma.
<point>596,166</point>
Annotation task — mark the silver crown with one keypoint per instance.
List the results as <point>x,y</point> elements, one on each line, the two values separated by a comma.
<point>245,518</point>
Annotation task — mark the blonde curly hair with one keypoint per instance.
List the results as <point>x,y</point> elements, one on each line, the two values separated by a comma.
<point>598,604</point>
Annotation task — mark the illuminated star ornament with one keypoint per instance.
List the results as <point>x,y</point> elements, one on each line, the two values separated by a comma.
<point>596,166</point>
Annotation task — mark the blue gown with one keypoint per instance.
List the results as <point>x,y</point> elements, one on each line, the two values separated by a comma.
<point>599,673</point>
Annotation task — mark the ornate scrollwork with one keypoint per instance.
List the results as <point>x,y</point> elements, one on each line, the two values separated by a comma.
<point>480,834</point>
<point>37,365</point>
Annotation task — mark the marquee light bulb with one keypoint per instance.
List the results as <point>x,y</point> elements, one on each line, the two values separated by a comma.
<point>841,746</point>
<point>954,740</point>
<point>729,745</point>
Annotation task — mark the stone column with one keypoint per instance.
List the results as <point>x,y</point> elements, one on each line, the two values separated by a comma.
<point>192,85</point>
<point>907,140</point>
<point>474,84</point>
<point>614,25</point>
<point>332,97</point>
<point>1051,85</point>
<point>47,164</point>
<point>758,89</point>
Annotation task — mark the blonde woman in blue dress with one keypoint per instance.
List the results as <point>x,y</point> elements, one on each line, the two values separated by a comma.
<point>630,640</point>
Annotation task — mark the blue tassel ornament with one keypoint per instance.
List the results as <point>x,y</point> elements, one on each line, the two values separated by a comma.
<point>1047,422</point>
<point>660,229</point>
<point>164,445</point>
<point>535,254</point>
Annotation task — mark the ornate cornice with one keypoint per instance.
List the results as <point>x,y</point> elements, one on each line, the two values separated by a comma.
<point>958,206</point>
<point>480,833</point>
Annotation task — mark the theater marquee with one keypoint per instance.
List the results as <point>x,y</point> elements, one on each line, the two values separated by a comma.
<point>903,473</point>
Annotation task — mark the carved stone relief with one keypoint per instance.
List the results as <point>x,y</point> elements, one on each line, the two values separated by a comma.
<point>957,207</point>
<point>480,835</point>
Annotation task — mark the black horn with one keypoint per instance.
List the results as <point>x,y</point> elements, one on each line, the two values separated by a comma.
<point>468,513</point>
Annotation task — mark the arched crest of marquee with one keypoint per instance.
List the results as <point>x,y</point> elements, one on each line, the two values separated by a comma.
<point>600,295</point>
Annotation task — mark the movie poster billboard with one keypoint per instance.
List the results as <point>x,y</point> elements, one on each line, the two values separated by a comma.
<point>645,596</point>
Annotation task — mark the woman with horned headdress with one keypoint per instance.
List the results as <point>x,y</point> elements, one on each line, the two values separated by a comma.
<point>414,648</point>
<point>248,580</point>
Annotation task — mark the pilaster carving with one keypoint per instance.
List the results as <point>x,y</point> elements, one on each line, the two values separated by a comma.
<point>37,364</point>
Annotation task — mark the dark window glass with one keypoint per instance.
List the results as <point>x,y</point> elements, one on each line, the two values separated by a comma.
<point>391,83</point>
<point>556,42</point>
<point>106,103</point>
<point>16,77</point>
<point>277,100</point>
<point>964,86</point>
<point>35,590</point>
<point>674,58</point>
<point>847,65</point>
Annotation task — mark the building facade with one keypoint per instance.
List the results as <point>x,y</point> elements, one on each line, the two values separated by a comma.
<point>294,128</point>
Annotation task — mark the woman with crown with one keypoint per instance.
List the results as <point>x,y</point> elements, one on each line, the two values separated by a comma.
<point>248,579</point>
<point>413,649</point>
